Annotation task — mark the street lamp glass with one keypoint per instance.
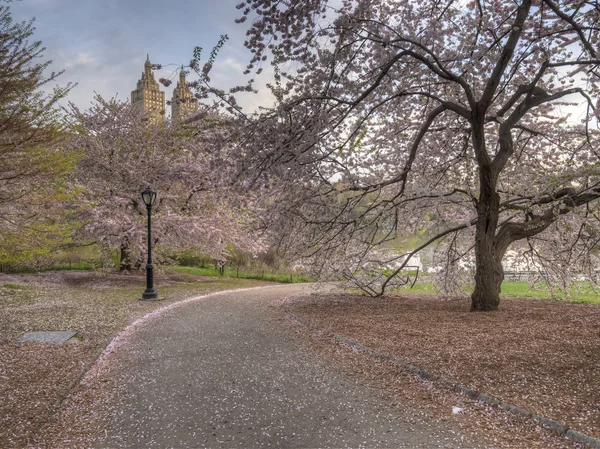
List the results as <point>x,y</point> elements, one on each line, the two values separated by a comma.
<point>149,196</point>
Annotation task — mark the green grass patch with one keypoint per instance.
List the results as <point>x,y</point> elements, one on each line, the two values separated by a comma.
<point>197,271</point>
<point>419,287</point>
<point>74,266</point>
<point>234,273</point>
<point>581,293</point>
<point>14,286</point>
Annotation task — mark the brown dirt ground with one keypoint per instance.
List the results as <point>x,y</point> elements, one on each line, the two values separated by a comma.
<point>540,355</point>
<point>36,378</point>
<point>543,356</point>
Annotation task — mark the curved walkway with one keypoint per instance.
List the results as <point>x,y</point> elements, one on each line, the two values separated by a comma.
<point>219,373</point>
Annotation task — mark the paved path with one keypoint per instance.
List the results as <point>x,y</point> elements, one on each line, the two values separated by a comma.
<point>220,373</point>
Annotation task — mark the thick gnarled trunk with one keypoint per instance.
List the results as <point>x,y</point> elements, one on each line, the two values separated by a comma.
<point>488,277</point>
<point>488,258</point>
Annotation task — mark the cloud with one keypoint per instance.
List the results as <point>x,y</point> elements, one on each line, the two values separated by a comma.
<point>102,44</point>
<point>76,61</point>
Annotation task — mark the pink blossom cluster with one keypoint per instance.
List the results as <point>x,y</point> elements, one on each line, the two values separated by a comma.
<point>467,127</point>
<point>190,166</point>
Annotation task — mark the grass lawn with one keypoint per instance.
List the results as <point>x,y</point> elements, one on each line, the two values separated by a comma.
<point>234,273</point>
<point>583,293</point>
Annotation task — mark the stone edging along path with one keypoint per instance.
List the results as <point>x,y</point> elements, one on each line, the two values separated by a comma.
<point>559,428</point>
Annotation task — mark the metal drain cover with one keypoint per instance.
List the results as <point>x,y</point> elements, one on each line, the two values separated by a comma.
<point>53,337</point>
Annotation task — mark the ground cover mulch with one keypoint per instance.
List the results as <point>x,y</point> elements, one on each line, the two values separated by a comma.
<point>540,355</point>
<point>36,378</point>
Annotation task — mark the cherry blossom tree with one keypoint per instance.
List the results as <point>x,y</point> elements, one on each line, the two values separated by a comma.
<point>33,172</point>
<point>473,123</point>
<point>189,167</point>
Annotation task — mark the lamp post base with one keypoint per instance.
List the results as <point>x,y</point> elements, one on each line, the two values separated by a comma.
<point>150,295</point>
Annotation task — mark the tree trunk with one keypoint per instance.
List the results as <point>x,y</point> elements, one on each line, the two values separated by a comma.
<point>488,260</point>
<point>126,262</point>
<point>488,279</point>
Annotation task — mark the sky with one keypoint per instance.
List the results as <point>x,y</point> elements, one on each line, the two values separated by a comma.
<point>102,44</point>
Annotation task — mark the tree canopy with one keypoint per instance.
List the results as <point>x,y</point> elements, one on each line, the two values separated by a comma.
<point>473,122</point>
<point>33,172</point>
<point>189,167</point>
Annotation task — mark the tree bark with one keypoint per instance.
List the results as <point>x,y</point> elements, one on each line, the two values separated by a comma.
<point>488,258</point>
<point>126,262</point>
<point>488,278</point>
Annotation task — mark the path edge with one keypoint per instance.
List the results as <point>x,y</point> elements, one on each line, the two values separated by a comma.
<point>557,427</point>
<point>95,368</point>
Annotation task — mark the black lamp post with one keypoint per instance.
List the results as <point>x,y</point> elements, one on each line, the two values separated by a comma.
<point>149,197</point>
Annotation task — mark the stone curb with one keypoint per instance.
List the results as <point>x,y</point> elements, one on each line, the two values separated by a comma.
<point>557,427</point>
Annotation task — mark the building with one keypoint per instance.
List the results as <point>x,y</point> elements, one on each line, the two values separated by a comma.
<point>148,95</point>
<point>183,103</point>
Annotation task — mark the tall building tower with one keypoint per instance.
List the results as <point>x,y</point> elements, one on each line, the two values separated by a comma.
<point>183,103</point>
<point>148,95</point>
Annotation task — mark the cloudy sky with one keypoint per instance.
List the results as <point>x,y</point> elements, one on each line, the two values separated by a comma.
<point>102,44</point>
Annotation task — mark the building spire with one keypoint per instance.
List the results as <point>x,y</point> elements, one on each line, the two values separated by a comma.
<point>148,96</point>
<point>148,66</point>
<point>183,103</point>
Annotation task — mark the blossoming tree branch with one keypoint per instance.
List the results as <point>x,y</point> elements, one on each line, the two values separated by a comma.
<point>471,122</point>
<point>190,166</point>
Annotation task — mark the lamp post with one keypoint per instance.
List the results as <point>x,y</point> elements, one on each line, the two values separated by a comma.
<point>149,197</point>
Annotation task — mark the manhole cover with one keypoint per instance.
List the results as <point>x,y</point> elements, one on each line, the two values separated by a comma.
<point>54,337</point>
